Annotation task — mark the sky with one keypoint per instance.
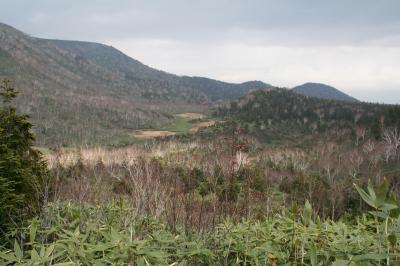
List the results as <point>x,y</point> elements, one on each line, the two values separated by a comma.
<point>351,45</point>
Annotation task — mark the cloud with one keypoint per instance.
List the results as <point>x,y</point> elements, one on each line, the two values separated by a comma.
<point>297,21</point>
<point>352,45</point>
<point>358,68</point>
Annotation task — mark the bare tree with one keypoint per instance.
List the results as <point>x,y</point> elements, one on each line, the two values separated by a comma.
<point>391,140</point>
<point>360,134</point>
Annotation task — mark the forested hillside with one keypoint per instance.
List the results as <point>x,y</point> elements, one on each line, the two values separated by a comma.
<point>280,114</point>
<point>84,93</point>
<point>323,91</point>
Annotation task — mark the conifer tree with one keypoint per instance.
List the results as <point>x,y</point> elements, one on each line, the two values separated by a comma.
<point>21,166</point>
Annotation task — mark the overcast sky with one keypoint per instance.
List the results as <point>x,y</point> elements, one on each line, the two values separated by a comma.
<point>353,45</point>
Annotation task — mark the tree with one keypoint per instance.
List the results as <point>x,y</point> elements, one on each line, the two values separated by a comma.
<point>391,140</point>
<point>21,166</point>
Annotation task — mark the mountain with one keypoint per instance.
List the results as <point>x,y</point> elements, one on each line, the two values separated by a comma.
<point>114,60</point>
<point>83,92</point>
<point>323,91</point>
<point>218,90</point>
<point>282,115</point>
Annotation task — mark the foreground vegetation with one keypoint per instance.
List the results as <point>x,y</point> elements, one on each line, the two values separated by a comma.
<point>160,207</point>
<point>226,200</point>
<point>71,234</point>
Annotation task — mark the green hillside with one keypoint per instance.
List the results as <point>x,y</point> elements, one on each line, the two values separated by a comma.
<point>323,91</point>
<point>280,114</point>
<point>80,93</point>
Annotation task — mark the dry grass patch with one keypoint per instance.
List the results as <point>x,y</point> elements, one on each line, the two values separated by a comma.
<point>114,156</point>
<point>202,124</point>
<point>91,156</point>
<point>191,116</point>
<point>147,134</point>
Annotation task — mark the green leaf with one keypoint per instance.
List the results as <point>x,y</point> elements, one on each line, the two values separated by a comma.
<point>381,191</point>
<point>392,239</point>
<point>49,250</point>
<point>371,191</point>
<point>395,213</point>
<point>379,214</point>
<point>34,255</point>
<point>388,207</point>
<point>77,231</point>
<point>294,208</point>
<point>42,251</point>
<point>341,263</point>
<point>313,256</point>
<point>58,254</point>
<point>8,257</point>
<point>140,262</point>
<point>32,231</point>
<point>371,256</point>
<point>307,213</point>
<point>17,250</point>
<point>366,197</point>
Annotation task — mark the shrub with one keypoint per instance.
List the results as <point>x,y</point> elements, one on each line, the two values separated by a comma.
<point>21,167</point>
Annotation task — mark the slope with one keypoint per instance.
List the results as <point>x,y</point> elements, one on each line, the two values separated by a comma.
<point>88,93</point>
<point>323,91</point>
<point>282,115</point>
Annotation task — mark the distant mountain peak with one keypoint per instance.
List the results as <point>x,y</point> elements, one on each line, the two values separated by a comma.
<point>323,91</point>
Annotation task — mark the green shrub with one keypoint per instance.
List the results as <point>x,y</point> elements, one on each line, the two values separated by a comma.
<point>113,234</point>
<point>21,168</point>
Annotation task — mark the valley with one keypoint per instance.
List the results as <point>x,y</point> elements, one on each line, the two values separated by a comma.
<point>107,161</point>
<point>64,85</point>
<point>184,123</point>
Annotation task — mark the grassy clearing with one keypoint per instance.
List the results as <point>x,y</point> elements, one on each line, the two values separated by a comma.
<point>189,122</point>
<point>181,125</point>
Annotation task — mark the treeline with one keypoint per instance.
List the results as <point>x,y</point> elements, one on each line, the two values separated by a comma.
<point>280,113</point>
<point>78,123</point>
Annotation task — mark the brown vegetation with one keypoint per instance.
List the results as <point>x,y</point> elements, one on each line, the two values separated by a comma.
<point>199,184</point>
<point>199,125</point>
<point>146,134</point>
<point>191,116</point>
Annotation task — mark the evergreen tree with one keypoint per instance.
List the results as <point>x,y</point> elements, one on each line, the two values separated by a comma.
<point>21,167</point>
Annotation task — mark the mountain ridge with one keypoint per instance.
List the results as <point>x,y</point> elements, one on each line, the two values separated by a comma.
<point>67,84</point>
<point>83,93</point>
<point>323,91</point>
<point>284,116</point>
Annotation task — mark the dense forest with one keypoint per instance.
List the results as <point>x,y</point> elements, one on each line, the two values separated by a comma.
<point>283,115</point>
